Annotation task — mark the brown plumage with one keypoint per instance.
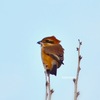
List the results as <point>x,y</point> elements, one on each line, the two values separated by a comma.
<point>52,54</point>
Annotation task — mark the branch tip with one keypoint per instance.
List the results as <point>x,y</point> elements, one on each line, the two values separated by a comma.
<point>79,40</point>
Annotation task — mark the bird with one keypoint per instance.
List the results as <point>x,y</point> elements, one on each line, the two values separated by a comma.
<point>52,54</point>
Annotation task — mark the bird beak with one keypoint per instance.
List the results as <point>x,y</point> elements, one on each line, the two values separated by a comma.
<point>39,42</point>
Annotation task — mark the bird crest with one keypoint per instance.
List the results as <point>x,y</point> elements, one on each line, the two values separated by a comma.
<point>52,38</point>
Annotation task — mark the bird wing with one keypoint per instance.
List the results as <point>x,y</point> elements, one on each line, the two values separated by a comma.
<point>56,51</point>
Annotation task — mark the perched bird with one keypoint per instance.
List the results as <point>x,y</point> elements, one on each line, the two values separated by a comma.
<point>52,54</point>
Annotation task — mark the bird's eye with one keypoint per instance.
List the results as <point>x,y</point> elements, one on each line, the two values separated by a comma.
<point>49,41</point>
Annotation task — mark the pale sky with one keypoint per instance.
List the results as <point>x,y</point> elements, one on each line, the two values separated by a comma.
<point>23,23</point>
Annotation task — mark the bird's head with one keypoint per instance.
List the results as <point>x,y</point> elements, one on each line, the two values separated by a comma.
<point>49,41</point>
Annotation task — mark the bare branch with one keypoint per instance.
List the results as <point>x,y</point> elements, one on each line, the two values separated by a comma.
<point>75,80</point>
<point>49,91</point>
<point>46,84</point>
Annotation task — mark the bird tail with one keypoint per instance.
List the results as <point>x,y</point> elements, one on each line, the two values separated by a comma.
<point>54,70</point>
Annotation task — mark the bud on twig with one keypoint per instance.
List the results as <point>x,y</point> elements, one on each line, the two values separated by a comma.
<point>51,91</point>
<point>79,68</point>
<point>80,43</point>
<point>77,48</point>
<point>78,93</point>
<point>80,57</point>
<point>74,80</point>
<point>46,83</point>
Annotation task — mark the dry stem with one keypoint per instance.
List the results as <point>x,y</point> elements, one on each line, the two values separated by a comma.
<point>75,80</point>
<point>49,91</point>
<point>46,84</point>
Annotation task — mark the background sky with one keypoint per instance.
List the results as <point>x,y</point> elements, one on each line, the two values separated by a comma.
<point>23,23</point>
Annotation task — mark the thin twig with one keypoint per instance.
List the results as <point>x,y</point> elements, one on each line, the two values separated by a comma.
<point>46,84</point>
<point>75,80</point>
<point>49,91</point>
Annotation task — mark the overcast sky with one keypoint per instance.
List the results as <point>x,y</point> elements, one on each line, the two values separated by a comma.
<point>23,23</point>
